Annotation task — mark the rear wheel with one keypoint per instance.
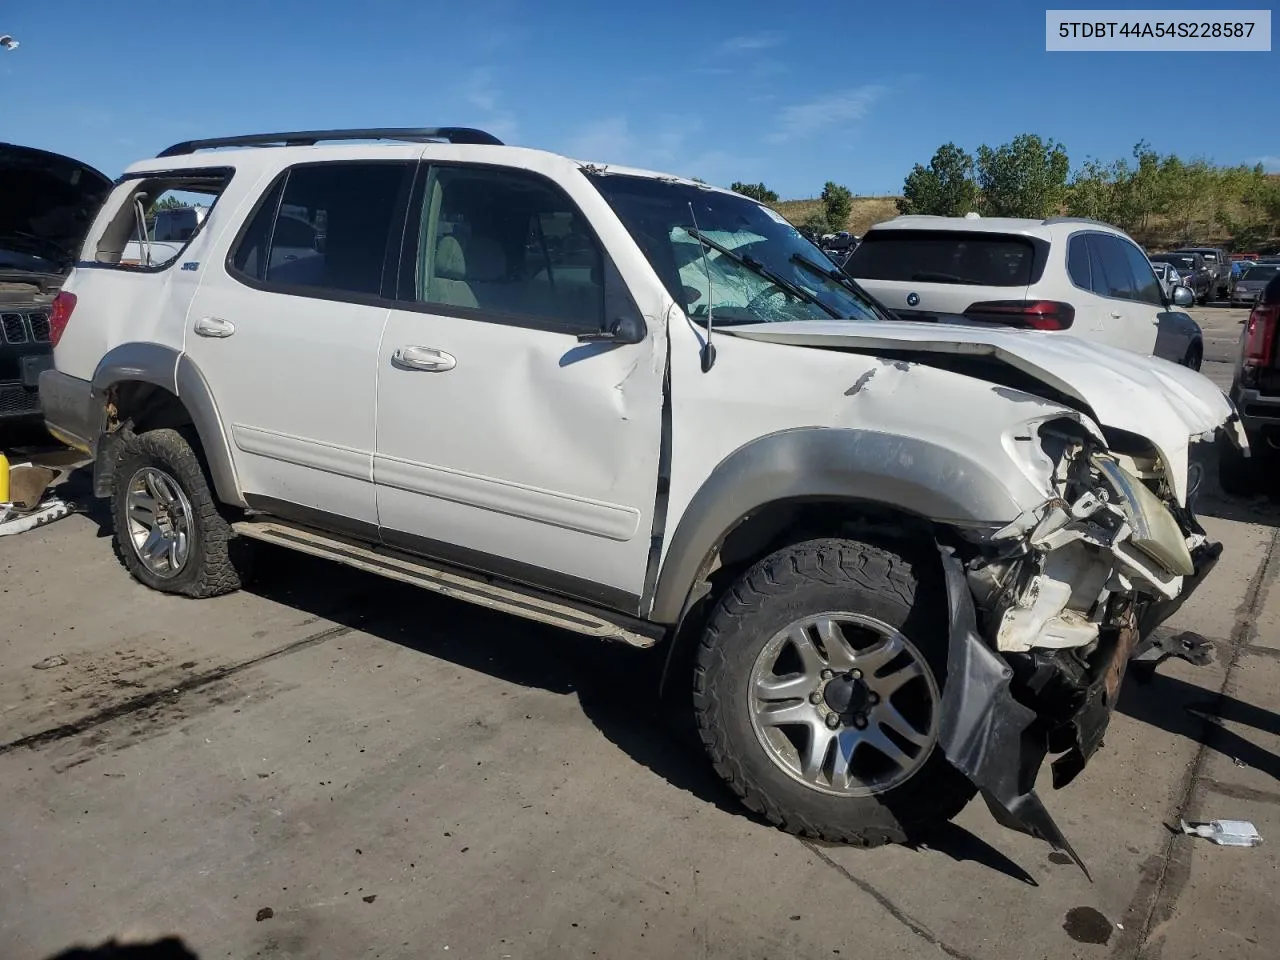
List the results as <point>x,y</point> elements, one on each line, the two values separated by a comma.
<point>818,691</point>
<point>1237,475</point>
<point>169,531</point>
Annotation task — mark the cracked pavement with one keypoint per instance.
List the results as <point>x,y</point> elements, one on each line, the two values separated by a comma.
<point>377,771</point>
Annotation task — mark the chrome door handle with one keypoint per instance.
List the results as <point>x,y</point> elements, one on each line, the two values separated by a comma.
<point>423,358</point>
<point>1116,316</point>
<point>214,327</point>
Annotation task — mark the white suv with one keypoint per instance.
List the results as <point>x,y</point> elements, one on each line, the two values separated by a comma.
<point>641,408</point>
<point>1060,274</point>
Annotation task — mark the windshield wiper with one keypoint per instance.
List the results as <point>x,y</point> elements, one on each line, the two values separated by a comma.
<point>754,265</point>
<point>844,280</point>
<point>943,278</point>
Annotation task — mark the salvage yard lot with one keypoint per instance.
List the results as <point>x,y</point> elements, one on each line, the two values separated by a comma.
<point>393,774</point>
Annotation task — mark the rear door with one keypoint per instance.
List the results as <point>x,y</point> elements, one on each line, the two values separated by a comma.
<point>288,337</point>
<point>936,275</point>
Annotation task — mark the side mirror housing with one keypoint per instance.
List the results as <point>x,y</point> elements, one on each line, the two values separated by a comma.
<point>626,329</point>
<point>1182,296</point>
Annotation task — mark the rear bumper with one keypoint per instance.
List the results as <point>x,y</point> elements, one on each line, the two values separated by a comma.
<point>1257,410</point>
<point>69,409</point>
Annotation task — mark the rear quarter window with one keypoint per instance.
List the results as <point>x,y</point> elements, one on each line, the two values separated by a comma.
<point>947,256</point>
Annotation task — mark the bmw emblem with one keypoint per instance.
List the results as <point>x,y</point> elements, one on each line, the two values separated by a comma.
<point>913,299</point>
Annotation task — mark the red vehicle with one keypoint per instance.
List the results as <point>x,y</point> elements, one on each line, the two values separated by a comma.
<point>1244,256</point>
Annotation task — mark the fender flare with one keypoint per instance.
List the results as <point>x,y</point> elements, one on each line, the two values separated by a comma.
<point>174,371</point>
<point>819,463</point>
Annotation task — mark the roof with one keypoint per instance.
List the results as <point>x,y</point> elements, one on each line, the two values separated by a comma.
<point>1024,225</point>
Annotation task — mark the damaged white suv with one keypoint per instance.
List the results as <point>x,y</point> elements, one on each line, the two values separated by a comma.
<point>900,562</point>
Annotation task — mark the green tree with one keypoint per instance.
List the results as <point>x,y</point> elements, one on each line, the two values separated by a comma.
<point>816,223</point>
<point>945,188</point>
<point>837,204</point>
<point>1026,177</point>
<point>756,191</point>
<point>168,203</point>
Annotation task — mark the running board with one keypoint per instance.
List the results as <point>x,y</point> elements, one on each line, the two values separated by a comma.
<point>461,585</point>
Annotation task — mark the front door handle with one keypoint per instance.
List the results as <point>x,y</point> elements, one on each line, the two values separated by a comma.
<point>1116,316</point>
<point>423,358</point>
<point>214,327</point>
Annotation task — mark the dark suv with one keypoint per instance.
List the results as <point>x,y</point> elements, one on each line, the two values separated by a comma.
<point>1255,390</point>
<point>48,203</point>
<point>1219,264</point>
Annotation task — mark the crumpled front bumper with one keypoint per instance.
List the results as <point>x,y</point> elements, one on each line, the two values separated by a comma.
<point>999,743</point>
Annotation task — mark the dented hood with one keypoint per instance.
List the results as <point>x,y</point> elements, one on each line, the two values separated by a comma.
<point>1167,404</point>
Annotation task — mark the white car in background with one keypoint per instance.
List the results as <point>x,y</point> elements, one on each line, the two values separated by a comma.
<point>1168,276</point>
<point>1076,276</point>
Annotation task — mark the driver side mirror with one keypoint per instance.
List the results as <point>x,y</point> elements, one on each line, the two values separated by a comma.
<point>626,329</point>
<point>1182,296</point>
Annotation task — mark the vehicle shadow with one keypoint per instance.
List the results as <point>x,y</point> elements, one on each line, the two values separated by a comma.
<point>166,948</point>
<point>1211,501</point>
<point>1190,711</point>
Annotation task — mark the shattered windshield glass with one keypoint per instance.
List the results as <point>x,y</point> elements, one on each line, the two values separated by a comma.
<point>741,259</point>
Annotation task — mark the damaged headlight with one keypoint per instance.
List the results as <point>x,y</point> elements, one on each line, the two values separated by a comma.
<point>1154,530</point>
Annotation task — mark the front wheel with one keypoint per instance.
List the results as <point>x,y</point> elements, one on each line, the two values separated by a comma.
<point>169,532</point>
<point>818,694</point>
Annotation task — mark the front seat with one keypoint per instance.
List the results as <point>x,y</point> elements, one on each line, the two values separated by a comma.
<point>448,284</point>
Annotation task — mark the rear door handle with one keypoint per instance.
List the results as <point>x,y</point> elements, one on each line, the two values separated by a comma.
<point>1116,316</point>
<point>214,327</point>
<point>423,358</point>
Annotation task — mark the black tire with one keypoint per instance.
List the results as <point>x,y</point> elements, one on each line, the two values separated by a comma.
<point>210,569</point>
<point>811,577</point>
<point>1237,476</point>
<point>1194,357</point>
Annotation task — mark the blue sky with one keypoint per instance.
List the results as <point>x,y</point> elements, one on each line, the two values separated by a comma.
<point>789,94</point>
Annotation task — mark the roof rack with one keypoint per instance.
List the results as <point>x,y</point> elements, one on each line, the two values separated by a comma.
<point>1052,220</point>
<point>308,138</point>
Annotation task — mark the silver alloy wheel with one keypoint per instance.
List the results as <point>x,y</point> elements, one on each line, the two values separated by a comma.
<point>159,518</point>
<point>845,704</point>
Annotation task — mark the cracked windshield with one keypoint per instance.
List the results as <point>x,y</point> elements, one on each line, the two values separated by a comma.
<point>730,257</point>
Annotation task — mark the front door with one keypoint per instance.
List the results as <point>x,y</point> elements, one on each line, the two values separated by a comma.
<point>287,336</point>
<point>503,443</point>
<point>1124,317</point>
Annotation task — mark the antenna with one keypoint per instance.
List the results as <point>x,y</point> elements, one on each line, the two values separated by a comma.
<point>708,348</point>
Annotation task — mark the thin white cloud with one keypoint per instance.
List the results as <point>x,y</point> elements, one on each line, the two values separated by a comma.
<point>750,41</point>
<point>479,90</point>
<point>830,110</point>
<point>608,140</point>
<point>1270,163</point>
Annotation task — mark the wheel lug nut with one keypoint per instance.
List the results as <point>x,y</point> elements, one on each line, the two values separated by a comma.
<point>815,698</point>
<point>860,722</point>
<point>827,674</point>
<point>874,697</point>
<point>833,721</point>
<point>855,673</point>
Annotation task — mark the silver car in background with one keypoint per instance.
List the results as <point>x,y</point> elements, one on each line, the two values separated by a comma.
<point>1252,282</point>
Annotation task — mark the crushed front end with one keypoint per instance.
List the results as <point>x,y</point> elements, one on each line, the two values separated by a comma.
<point>1047,613</point>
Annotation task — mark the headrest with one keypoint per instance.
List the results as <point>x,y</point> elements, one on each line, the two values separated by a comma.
<point>450,262</point>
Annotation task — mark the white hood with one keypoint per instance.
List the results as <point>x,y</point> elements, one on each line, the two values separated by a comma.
<point>1168,404</point>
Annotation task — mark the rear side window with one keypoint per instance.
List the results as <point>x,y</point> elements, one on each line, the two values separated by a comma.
<point>157,216</point>
<point>944,256</point>
<point>1112,275</point>
<point>1078,262</point>
<point>324,227</point>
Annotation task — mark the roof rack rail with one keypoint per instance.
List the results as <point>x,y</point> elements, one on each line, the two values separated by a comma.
<point>1051,220</point>
<point>307,138</point>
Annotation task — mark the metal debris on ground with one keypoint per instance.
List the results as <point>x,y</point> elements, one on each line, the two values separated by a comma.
<point>1225,833</point>
<point>48,663</point>
<point>22,488</point>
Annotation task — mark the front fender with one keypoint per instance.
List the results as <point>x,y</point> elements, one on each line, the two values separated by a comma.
<point>912,475</point>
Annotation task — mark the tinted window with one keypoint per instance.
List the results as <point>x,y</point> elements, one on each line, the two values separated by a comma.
<point>326,228</point>
<point>507,242</point>
<point>1263,273</point>
<point>1078,263</point>
<point>1147,287</point>
<point>1112,276</point>
<point>943,256</point>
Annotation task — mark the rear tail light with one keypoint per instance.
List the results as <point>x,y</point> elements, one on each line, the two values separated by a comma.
<point>60,314</point>
<point>1260,338</point>
<point>1036,314</point>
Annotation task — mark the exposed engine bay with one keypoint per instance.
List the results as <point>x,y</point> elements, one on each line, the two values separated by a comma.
<point>1046,619</point>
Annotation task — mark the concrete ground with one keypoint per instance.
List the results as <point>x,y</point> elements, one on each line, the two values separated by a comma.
<point>332,765</point>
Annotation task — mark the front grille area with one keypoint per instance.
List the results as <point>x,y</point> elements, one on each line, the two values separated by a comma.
<point>16,400</point>
<point>24,327</point>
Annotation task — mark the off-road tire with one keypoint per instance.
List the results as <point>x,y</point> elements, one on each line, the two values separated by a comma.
<point>809,577</point>
<point>211,568</point>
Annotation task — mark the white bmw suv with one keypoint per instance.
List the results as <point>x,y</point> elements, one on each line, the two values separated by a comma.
<point>1082,277</point>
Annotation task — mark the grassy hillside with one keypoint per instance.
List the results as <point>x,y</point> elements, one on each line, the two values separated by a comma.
<point>865,212</point>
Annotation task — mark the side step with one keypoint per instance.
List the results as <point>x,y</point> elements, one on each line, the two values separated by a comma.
<point>459,584</point>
